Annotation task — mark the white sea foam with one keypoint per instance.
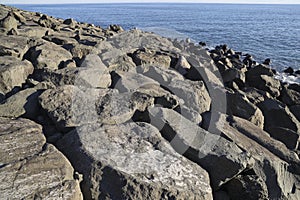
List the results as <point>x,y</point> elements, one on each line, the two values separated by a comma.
<point>287,78</point>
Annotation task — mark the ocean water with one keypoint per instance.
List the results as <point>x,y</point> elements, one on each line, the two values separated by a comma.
<point>265,31</point>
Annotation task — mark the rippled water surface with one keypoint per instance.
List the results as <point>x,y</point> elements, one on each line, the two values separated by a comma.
<point>265,31</point>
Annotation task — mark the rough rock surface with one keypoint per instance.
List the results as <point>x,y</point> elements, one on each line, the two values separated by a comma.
<point>139,116</point>
<point>13,73</point>
<point>132,161</point>
<point>29,167</point>
<point>48,56</point>
<point>222,159</point>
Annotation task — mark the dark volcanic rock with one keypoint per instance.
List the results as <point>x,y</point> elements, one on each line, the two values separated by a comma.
<point>290,94</point>
<point>262,77</point>
<point>289,70</point>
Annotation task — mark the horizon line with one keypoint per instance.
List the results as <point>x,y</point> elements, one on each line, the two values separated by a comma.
<point>91,3</point>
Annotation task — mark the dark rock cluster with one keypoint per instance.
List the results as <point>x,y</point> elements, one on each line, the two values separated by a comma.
<point>93,113</point>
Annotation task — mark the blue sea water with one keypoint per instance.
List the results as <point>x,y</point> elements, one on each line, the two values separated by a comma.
<point>265,31</point>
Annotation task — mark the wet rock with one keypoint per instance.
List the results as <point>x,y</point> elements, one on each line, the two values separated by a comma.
<point>289,70</point>
<point>111,154</point>
<point>202,44</point>
<point>13,73</point>
<point>29,167</point>
<point>290,94</point>
<point>267,61</point>
<point>208,150</point>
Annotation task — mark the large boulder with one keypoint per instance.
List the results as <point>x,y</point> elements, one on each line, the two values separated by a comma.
<point>81,76</point>
<point>262,77</point>
<point>272,158</point>
<point>48,56</point>
<point>193,93</point>
<point>240,106</point>
<point>182,65</point>
<point>9,22</point>
<point>69,107</point>
<point>290,94</point>
<point>222,159</point>
<point>114,108</point>
<point>278,115</point>
<point>30,168</point>
<point>13,73</point>
<point>132,161</point>
<point>296,111</point>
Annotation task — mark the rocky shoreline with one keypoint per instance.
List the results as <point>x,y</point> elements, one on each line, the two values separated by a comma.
<point>93,113</point>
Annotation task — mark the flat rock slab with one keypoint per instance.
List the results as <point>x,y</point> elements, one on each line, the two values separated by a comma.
<point>13,73</point>
<point>29,167</point>
<point>130,82</point>
<point>14,46</point>
<point>132,161</point>
<point>84,77</point>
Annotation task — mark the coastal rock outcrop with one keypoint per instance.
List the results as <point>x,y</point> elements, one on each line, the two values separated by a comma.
<point>133,115</point>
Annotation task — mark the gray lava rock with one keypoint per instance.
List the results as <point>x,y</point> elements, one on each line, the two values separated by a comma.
<point>132,161</point>
<point>13,73</point>
<point>30,168</point>
<point>222,159</point>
